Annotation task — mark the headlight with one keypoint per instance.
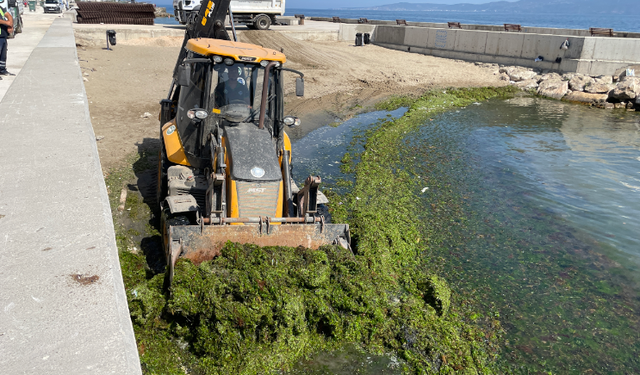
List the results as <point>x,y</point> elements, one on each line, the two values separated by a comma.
<point>200,114</point>
<point>229,61</point>
<point>264,63</point>
<point>291,121</point>
<point>217,59</point>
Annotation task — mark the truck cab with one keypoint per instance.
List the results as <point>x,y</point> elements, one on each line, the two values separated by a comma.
<point>256,14</point>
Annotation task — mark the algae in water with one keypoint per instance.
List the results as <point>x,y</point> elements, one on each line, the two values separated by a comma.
<point>259,310</point>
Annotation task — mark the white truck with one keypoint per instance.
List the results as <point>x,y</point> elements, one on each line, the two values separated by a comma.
<point>256,14</point>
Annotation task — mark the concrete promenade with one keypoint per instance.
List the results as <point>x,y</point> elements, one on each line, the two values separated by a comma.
<point>20,48</point>
<point>63,308</point>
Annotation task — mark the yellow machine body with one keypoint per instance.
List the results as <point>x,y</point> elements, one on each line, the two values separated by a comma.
<point>243,52</point>
<point>173,144</point>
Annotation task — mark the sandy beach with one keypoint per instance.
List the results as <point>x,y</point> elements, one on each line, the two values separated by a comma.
<point>125,85</point>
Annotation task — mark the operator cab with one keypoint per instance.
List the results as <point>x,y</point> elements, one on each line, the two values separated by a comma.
<point>224,80</point>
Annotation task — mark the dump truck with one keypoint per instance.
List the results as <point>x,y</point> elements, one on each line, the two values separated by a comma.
<point>256,14</point>
<point>225,163</point>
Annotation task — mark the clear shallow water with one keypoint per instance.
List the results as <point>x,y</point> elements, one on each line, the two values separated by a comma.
<point>551,244</point>
<point>552,239</point>
<point>618,22</point>
<point>579,163</point>
<point>319,152</point>
<point>583,163</point>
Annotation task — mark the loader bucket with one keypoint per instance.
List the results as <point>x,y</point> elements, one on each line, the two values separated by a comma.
<point>202,243</point>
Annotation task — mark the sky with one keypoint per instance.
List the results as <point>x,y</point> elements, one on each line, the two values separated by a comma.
<point>329,4</point>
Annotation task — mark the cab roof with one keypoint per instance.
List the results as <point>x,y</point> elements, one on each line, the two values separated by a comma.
<point>239,51</point>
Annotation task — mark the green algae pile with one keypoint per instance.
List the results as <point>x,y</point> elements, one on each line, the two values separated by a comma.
<point>259,310</point>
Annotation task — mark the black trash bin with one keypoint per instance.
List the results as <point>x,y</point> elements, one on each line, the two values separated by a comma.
<point>111,37</point>
<point>358,39</point>
<point>367,38</point>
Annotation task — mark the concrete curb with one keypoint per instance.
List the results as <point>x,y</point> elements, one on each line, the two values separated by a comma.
<point>63,305</point>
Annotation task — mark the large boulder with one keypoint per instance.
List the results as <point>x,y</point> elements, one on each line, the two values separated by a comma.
<point>599,88</point>
<point>578,82</point>
<point>550,77</point>
<point>555,89</point>
<point>583,97</point>
<point>519,74</point>
<point>607,80</point>
<point>626,90</point>
<point>622,72</point>
<point>529,84</point>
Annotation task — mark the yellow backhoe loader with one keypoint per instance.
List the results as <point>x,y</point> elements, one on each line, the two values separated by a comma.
<point>224,171</point>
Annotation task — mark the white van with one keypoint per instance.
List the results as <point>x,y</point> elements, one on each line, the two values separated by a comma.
<point>52,6</point>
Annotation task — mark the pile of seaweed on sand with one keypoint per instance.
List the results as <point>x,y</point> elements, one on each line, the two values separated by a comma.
<point>256,310</point>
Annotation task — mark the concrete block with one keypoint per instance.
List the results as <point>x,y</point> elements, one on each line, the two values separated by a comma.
<point>616,49</point>
<point>416,36</point>
<point>391,34</point>
<point>442,39</point>
<point>289,21</point>
<point>588,48</point>
<point>348,32</point>
<point>471,41</point>
<point>505,44</point>
<point>583,66</point>
<point>311,35</point>
<point>548,46</point>
<point>600,68</point>
<point>575,48</point>
<point>567,66</point>
<point>554,31</point>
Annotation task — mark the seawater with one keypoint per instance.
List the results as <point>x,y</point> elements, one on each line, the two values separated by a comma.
<point>550,245</point>
<point>618,22</point>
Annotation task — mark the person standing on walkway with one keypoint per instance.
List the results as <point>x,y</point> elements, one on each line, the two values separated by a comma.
<point>6,26</point>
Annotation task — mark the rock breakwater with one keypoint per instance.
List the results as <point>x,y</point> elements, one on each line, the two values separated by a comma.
<point>607,91</point>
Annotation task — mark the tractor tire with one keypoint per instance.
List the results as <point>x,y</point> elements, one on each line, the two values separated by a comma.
<point>262,22</point>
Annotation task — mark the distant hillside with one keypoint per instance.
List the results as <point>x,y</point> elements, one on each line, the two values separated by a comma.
<point>567,7</point>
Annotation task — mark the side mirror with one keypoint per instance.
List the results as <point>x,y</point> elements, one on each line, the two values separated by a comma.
<point>299,86</point>
<point>184,74</point>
